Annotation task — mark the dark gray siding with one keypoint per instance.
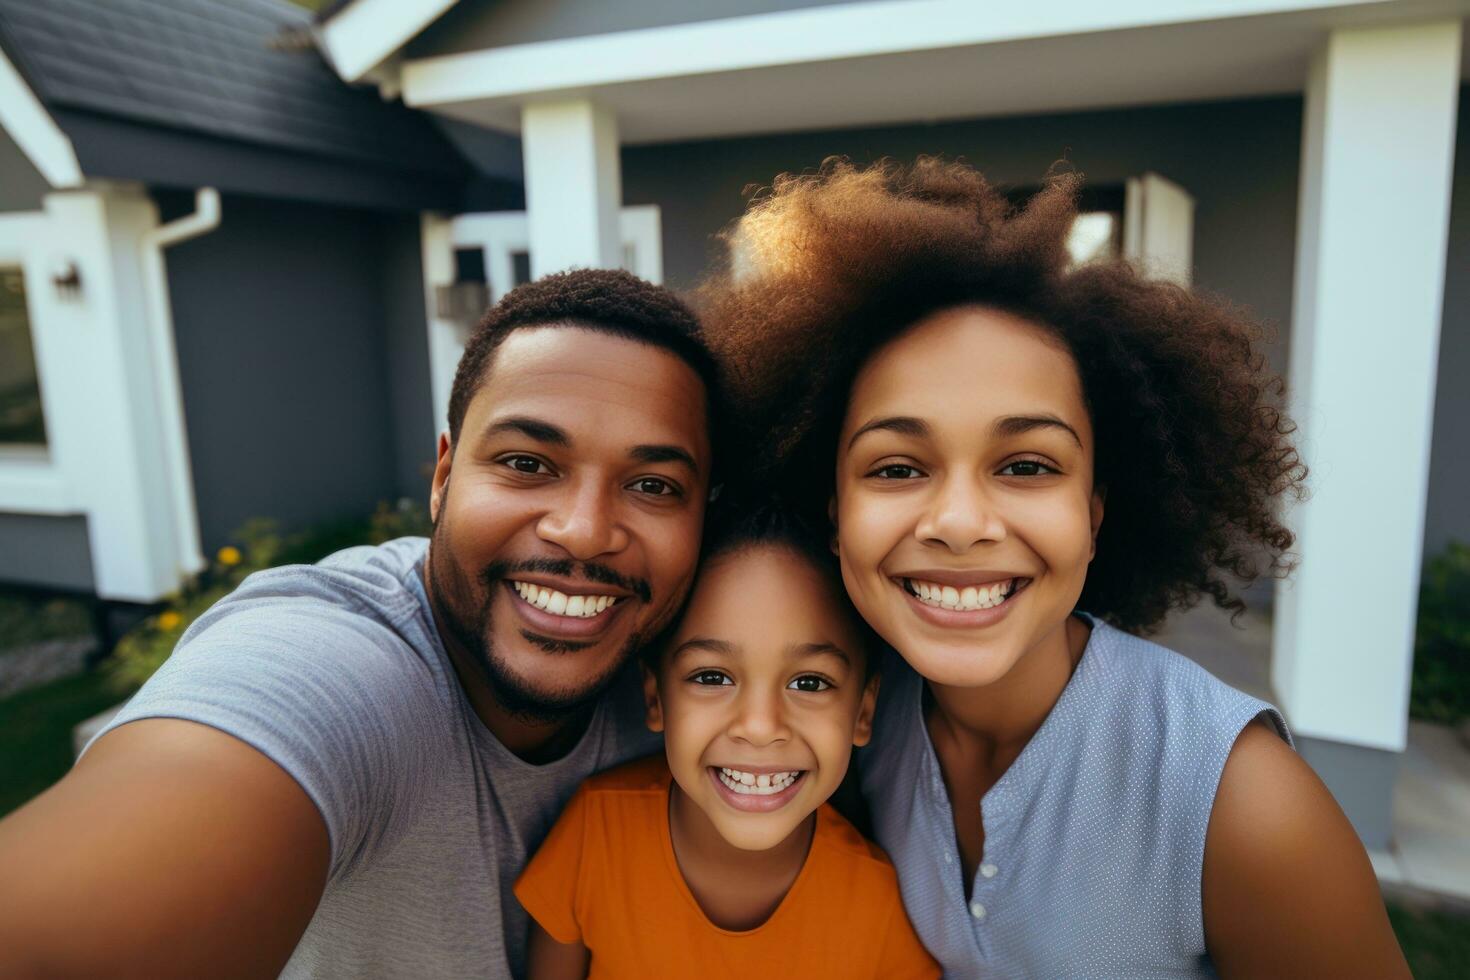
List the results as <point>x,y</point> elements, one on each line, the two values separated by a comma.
<point>283,318</point>
<point>49,552</point>
<point>478,24</point>
<point>1448,513</point>
<point>1239,160</point>
<point>21,184</point>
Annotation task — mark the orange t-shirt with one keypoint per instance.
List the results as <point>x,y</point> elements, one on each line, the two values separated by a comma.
<point>607,877</point>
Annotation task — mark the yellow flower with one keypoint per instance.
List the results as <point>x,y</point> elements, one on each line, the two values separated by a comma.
<point>229,555</point>
<point>168,619</point>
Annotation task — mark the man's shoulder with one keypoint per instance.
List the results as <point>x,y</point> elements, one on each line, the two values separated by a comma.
<point>372,579</point>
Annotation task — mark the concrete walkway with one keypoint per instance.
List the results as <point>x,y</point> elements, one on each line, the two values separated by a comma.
<point>1430,852</point>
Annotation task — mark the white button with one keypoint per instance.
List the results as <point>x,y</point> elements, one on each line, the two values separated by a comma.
<point>988,870</point>
<point>948,857</point>
<point>978,911</point>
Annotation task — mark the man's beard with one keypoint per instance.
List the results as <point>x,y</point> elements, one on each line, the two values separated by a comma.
<point>463,605</point>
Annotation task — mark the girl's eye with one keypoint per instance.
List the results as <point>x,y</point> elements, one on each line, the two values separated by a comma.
<point>896,471</point>
<point>1026,467</point>
<point>525,464</point>
<point>810,683</point>
<point>654,486</point>
<point>711,678</point>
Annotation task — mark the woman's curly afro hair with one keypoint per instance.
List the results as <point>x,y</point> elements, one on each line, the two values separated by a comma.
<point>1192,450</point>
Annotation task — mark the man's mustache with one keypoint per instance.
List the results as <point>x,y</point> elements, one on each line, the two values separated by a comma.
<point>565,568</point>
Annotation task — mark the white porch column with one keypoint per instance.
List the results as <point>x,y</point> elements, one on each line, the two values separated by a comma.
<point>1377,149</point>
<point>574,185</point>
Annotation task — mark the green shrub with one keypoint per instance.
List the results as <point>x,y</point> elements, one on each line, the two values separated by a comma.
<point>1441,690</point>
<point>259,544</point>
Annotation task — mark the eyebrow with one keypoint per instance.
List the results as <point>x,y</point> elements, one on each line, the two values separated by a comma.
<point>818,649</point>
<point>705,643</point>
<point>1015,425</point>
<point>904,425</point>
<point>664,454</point>
<point>553,435</point>
<point>532,429</point>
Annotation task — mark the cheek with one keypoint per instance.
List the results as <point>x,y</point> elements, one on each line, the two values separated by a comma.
<point>1060,531</point>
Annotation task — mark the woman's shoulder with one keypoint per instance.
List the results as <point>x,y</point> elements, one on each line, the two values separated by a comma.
<point>1160,686</point>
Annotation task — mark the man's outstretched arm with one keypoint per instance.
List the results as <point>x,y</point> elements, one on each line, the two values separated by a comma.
<point>171,850</point>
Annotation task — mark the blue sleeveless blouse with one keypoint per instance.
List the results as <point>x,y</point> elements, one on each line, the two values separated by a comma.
<point>1095,836</point>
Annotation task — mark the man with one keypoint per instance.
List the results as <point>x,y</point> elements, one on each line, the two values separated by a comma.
<point>343,767</point>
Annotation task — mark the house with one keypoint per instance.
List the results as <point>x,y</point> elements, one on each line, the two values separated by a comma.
<point>211,303</point>
<point>1296,156</point>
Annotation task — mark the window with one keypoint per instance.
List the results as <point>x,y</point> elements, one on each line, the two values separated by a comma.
<point>21,419</point>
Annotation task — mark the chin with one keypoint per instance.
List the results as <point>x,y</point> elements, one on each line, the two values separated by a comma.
<point>958,664</point>
<point>753,834</point>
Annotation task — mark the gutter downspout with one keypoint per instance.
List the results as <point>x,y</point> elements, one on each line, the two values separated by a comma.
<point>168,391</point>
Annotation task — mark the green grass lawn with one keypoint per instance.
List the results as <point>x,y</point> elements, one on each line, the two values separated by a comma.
<point>35,732</point>
<point>35,751</point>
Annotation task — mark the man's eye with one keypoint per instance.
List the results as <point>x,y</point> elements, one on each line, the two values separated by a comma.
<point>810,683</point>
<point>525,464</point>
<point>896,471</point>
<point>1026,467</point>
<point>654,487</point>
<point>713,678</point>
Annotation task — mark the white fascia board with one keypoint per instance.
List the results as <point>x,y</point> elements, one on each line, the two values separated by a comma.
<point>366,33</point>
<point>34,131</point>
<point>852,30</point>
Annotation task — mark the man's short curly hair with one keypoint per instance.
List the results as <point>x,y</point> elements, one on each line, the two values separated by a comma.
<point>609,301</point>
<point>827,267</point>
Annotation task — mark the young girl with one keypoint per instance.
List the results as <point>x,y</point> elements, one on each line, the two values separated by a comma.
<point>1004,442</point>
<point>722,858</point>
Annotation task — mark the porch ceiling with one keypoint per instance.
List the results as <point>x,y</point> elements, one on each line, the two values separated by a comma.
<point>1232,58</point>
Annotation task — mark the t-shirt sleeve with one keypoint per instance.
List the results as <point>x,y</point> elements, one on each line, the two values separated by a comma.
<point>334,697</point>
<point>903,957</point>
<point>551,887</point>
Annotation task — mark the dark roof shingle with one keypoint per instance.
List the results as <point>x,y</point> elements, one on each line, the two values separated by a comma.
<point>209,66</point>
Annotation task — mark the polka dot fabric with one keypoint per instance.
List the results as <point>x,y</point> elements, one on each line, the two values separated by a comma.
<point>1094,838</point>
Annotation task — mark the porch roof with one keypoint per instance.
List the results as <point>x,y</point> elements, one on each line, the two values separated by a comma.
<point>874,63</point>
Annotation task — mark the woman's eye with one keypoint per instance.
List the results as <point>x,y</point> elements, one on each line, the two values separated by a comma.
<point>1026,467</point>
<point>654,487</point>
<point>714,678</point>
<point>525,464</point>
<point>896,471</point>
<point>809,683</point>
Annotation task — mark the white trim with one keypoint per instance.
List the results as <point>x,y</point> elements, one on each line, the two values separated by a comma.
<point>167,387</point>
<point>366,33</point>
<point>850,30</point>
<point>574,185</point>
<point>34,131</point>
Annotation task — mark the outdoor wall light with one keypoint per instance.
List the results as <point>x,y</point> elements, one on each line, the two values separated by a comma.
<point>66,279</point>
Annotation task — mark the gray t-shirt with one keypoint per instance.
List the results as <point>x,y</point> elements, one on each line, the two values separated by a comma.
<point>336,672</point>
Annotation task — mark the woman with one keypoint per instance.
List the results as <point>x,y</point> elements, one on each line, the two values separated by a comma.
<point>1027,464</point>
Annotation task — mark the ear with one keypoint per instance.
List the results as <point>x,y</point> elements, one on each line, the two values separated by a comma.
<point>832,519</point>
<point>654,718</point>
<point>862,732</point>
<point>441,475</point>
<point>1098,495</point>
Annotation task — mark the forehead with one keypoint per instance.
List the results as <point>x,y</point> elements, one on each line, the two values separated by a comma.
<point>969,362</point>
<point>766,598</point>
<point>584,378</point>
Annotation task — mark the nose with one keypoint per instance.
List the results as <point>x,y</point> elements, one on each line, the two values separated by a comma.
<point>960,515</point>
<point>760,718</point>
<point>584,522</point>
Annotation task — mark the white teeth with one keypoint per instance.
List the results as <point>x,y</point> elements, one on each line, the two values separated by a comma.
<point>758,784</point>
<point>967,598</point>
<point>561,604</point>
